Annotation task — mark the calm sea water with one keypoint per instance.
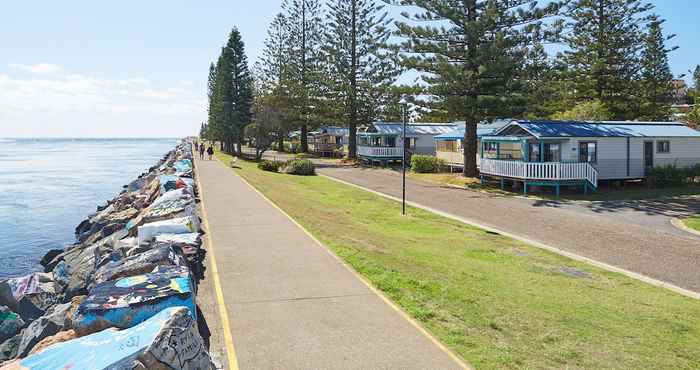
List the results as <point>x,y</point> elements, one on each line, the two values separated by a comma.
<point>47,186</point>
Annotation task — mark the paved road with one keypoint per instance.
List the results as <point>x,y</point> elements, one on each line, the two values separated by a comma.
<point>629,235</point>
<point>291,304</point>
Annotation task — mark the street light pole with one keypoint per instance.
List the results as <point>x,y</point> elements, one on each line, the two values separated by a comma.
<point>403,161</point>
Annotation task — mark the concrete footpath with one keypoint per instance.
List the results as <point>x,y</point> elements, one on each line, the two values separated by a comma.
<point>291,304</point>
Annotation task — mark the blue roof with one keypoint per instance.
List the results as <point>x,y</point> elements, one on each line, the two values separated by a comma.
<point>545,129</point>
<point>334,130</point>
<point>482,129</point>
<point>395,128</point>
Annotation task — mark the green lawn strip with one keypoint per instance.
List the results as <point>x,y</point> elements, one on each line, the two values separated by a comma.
<point>495,301</point>
<point>693,222</point>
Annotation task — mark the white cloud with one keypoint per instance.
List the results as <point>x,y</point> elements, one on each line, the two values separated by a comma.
<point>39,68</point>
<point>76,105</point>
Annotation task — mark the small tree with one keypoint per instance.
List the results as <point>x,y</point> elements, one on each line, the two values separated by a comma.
<point>263,131</point>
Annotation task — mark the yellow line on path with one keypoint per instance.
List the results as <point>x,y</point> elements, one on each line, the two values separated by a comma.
<point>459,361</point>
<point>220,303</point>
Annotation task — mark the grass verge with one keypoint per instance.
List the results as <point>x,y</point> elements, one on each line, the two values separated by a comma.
<point>497,302</point>
<point>693,222</point>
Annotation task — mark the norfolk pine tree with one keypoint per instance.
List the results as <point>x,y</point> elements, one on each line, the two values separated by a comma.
<point>241,88</point>
<point>305,67</point>
<point>470,53</point>
<point>656,74</point>
<point>271,71</point>
<point>360,69</point>
<point>605,44</point>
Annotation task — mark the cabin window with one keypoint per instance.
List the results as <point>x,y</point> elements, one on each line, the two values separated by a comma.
<point>391,141</point>
<point>364,141</point>
<point>447,145</point>
<point>588,152</point>
<point>490,150</point>
<point>552,152</point>
<point>376,141</point>
<point>663,146</point>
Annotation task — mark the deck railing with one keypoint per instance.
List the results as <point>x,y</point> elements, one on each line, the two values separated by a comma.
<point>379,151</point>
<point>540,170</point>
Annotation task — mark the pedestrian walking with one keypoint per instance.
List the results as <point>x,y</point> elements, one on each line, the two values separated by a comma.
<point>201,151</point>
<point>210,151</point>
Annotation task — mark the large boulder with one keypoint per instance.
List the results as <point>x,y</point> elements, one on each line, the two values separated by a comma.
<point>8,349</point>
<point>59,337</point>
<point>131,300</point>
<point>32,306</point>
<point>139,264</point>
<point>14,289</point>
<point>181,225</point>
<point>50,324</point>
<point>167,340</point>
<point>10,323</point>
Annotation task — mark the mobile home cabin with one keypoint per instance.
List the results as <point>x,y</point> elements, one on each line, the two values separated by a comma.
<point>450,146</point>
<point>329,141</point>
<point>383,142</point>
<point>569,152</point>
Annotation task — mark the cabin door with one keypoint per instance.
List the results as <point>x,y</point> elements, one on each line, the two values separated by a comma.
<point>648,156</point>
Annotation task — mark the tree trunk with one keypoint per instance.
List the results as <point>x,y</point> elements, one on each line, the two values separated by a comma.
<point>304,139</point>
<point>352,125</point>
<point>470,169</point>
<point>472,96</point>
<point>240,146</point>
<point>280,141</point>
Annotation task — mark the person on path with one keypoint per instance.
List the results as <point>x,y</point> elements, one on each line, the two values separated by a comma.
<point>201,151</point>
<point>210,151</point>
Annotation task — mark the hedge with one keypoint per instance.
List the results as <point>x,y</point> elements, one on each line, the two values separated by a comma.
<point>426,163</point>
<point>302,167</point>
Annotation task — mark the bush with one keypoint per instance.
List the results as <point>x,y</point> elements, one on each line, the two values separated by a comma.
<point>302,167</point>
<point>272,166</point>
<point>671,175</point>
<point>426,163</point>
<point>304,155</point>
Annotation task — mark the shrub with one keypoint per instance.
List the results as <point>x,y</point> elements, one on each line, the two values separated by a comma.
<point>302,167</point>
<point>671,175</point>
<point>304,155</point>
<point>426,163</point>
<point>272,166</point>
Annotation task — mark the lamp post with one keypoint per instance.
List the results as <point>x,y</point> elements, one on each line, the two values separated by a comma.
<point>404,104</point>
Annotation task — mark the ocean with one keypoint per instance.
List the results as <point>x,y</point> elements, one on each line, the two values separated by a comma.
<point>48,186</point>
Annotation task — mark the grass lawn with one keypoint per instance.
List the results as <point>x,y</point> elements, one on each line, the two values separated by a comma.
<point>497,302</point>
<point>693,222</point>
<point>631,192</point>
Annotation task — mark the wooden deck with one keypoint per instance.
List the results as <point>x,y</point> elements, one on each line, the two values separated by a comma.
<point>540,171</point>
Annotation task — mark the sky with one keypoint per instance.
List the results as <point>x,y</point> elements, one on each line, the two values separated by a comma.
<point>138,68</point>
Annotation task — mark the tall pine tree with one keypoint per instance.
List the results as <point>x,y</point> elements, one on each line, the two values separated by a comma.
<point>272,73</point>
<point>241,88</point>
<point>305,67</point>
<point>361,69</point>
<point>470,53</point>
<point>605,44</point>
<point>656,74</point>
